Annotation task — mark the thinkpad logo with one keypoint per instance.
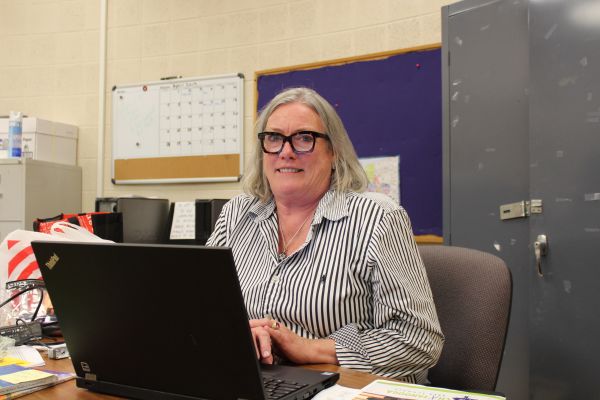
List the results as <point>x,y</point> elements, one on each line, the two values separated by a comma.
<point>52,261</point>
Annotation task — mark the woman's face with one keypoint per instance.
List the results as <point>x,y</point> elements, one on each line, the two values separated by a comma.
<point>298,177</point>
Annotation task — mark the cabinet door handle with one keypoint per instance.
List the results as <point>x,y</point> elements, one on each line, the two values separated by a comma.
<point>540,249</point>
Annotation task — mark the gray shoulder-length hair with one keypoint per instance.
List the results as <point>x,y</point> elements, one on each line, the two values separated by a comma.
<point>347,173</point>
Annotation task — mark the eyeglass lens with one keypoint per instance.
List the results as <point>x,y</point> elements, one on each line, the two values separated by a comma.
<point>302,142</point>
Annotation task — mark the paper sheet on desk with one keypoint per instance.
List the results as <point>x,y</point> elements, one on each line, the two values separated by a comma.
<point>337,392</point>
<point>26,356</point>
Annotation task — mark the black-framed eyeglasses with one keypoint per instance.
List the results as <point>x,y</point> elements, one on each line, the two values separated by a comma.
<point>301,142</point>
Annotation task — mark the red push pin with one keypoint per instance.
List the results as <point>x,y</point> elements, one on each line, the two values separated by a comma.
<point>418,66</point>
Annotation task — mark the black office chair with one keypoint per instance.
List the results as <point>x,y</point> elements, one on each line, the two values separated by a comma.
<point>472,291</point>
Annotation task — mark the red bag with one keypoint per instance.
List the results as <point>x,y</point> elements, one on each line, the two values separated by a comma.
<point>106,225</point>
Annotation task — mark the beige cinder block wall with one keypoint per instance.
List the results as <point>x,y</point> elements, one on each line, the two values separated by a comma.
<point>49,60</point>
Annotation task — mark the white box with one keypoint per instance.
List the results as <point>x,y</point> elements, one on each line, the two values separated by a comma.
<point>44,140</point>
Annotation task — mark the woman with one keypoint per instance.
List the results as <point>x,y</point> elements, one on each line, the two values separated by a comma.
<point>328,274</point>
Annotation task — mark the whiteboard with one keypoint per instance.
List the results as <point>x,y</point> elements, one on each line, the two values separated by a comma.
<point>183,130</point>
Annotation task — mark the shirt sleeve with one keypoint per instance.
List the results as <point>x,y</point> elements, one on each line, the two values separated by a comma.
<point>406,338</point>
<point>219,236</point>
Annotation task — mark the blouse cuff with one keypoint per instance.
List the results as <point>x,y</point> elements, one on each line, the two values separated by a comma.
<point>349,349</point>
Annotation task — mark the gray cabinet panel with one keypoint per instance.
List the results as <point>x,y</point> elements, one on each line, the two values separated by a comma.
<point>33,189</point>
<point>7,227</point>
<point>565,160</point>
<point>487,152</point>
<point>51,189</point>
<point>11,192</point>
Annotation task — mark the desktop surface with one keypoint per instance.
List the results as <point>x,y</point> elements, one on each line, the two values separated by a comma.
<point>68,390</point>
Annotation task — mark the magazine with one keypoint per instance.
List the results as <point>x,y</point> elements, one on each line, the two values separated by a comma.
<point>390,390</point>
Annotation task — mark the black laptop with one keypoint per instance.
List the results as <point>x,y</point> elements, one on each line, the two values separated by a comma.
<point>161,322</point>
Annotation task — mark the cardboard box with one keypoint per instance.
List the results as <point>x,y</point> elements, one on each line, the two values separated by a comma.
<point>44,140</point>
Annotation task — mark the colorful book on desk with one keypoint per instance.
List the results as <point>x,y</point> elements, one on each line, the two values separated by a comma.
<point>61,377</point>
<point>390,390</point>
<point>15,378</point>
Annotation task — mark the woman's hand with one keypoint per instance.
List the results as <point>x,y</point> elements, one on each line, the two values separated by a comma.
<point>289,345</point>
<point>262,344</point>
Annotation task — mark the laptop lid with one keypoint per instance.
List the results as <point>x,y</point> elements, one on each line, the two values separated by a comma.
<point>156,321</point>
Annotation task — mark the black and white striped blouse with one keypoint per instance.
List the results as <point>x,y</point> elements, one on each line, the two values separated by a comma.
<point>357,279</point>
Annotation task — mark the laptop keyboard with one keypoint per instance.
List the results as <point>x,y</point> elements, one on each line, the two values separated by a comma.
<point>278,388</point>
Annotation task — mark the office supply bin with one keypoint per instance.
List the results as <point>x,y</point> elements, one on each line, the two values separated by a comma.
<point>43,140</point>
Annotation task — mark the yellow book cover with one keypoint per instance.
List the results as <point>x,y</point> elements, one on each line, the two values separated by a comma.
<point>15,377</point>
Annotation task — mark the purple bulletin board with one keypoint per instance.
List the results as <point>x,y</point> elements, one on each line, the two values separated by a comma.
<point>390,106</point>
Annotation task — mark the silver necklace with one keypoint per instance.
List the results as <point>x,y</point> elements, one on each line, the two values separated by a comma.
<point>283,253</point>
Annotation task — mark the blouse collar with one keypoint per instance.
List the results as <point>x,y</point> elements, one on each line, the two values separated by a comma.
<point>332,206</point>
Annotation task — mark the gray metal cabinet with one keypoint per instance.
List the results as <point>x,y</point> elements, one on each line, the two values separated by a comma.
<point>522,123</point>
<point>31,189</point>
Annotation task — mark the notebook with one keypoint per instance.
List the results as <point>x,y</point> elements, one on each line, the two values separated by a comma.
<point>161,322</point>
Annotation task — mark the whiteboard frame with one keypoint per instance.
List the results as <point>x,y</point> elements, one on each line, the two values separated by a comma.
<point>241,102</point>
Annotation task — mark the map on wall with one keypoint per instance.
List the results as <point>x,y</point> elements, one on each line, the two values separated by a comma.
<point>384,175</point>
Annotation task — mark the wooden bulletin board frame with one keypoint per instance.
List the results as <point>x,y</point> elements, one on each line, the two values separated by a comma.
<point>391,105</point>
<point>178,131</point>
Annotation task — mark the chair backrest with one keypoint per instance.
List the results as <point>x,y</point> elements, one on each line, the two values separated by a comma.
<point>472,291</point>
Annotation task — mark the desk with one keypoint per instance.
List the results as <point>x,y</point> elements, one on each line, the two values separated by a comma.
<point>68,390</point>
